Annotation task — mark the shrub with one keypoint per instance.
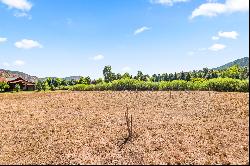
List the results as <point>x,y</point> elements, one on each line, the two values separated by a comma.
<point>3,86</point>
<point>17,88</point>
<point>216,84</point>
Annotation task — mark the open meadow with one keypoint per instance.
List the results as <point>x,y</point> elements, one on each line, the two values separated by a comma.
<point>90,128</point>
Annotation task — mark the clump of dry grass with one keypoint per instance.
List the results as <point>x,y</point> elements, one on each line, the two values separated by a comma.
<point>87,128</point>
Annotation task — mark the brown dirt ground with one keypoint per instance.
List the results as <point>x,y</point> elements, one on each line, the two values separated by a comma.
<point>89,127</point>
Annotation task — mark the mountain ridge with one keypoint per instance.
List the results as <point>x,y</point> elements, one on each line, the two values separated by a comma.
<point>242,62</point>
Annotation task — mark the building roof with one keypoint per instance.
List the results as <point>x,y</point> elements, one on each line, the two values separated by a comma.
<point>18,80</point>
<point>13,80</point>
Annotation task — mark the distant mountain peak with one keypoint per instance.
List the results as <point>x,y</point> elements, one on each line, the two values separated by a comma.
<point>242,62</point>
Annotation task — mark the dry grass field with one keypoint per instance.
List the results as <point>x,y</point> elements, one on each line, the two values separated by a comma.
<point>90,128</point>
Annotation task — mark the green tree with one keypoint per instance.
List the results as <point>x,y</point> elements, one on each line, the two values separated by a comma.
<point>126,75</point>
<point>154,78</point>
<point>49,81</point>
<point>3,86</point>
<point>87,80</point>
<point>139,76</point>
<point>175,76</point>
<point>39,86</point>
<point>188,77</point>
<point>205,72</point>
<point>118,76</point>
<point>17,88</point>
<point>64,82</point>
<point>108,75</point>
<point>45,85</point>
<point>182,76</point>
<point>99,80</point>
<point>232,72</point>
<point>57,82</point>
<point>171,77</point>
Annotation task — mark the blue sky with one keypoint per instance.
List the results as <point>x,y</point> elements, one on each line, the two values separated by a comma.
<point>65,38</point>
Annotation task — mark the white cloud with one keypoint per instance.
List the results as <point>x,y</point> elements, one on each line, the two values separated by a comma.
<point>6,64</point>
<point>19,63</point>
<point>28,44</point>
<point>212,9</point>
<point>3,39</point>
<point>167,2</point>
<point>18,4</point>
<point>217,47</point>
<point>140,30</point>
<point>215,38</point>
<point>23,14</point>
<point>232,34</point>
<point>126,69</point>
<point>98,57</point>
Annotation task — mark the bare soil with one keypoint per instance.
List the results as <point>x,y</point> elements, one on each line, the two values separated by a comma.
<point>90,128</point>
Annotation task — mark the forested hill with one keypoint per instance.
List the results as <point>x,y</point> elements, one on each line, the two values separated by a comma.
<point>241,62</point>
<point>8,73</point>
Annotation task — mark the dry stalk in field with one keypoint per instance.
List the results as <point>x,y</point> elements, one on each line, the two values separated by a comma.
<point>129,129</point>
<point>129,124</point>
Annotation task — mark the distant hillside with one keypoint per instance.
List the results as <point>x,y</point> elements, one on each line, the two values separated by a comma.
<point>241,62</point>
<point>8,73</point>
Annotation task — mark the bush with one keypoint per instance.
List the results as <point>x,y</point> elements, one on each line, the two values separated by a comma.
<point>216,84</point>
<point>3,86</point>
<point>17,88</point>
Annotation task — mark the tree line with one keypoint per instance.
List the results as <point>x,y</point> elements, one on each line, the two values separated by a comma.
<point>240,76</point>
<point>201,77</point>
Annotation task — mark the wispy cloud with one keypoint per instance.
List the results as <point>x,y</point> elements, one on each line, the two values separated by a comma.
<point>230,35</point>
<point>3,39</point>
<point>19,63</point>
<point>215,38</point>
<point>212,9</point>
<point>28,44</point>
<point>23,14</point>
<point>23,5</point>
<point>140,30</point>
<point>97,57</point>
<point>217,47</point>
<point>167,2</point>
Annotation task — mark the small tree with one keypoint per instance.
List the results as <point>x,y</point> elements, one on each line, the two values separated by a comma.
<point>45,85</point>
<point>188,77</point>
<point>17,88</point>
<point>39,86</point>
<point>182,76</point>
<point>126,75</point>
<point>3,86</point>
<point>99,80</point>
<point>108,75</point>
